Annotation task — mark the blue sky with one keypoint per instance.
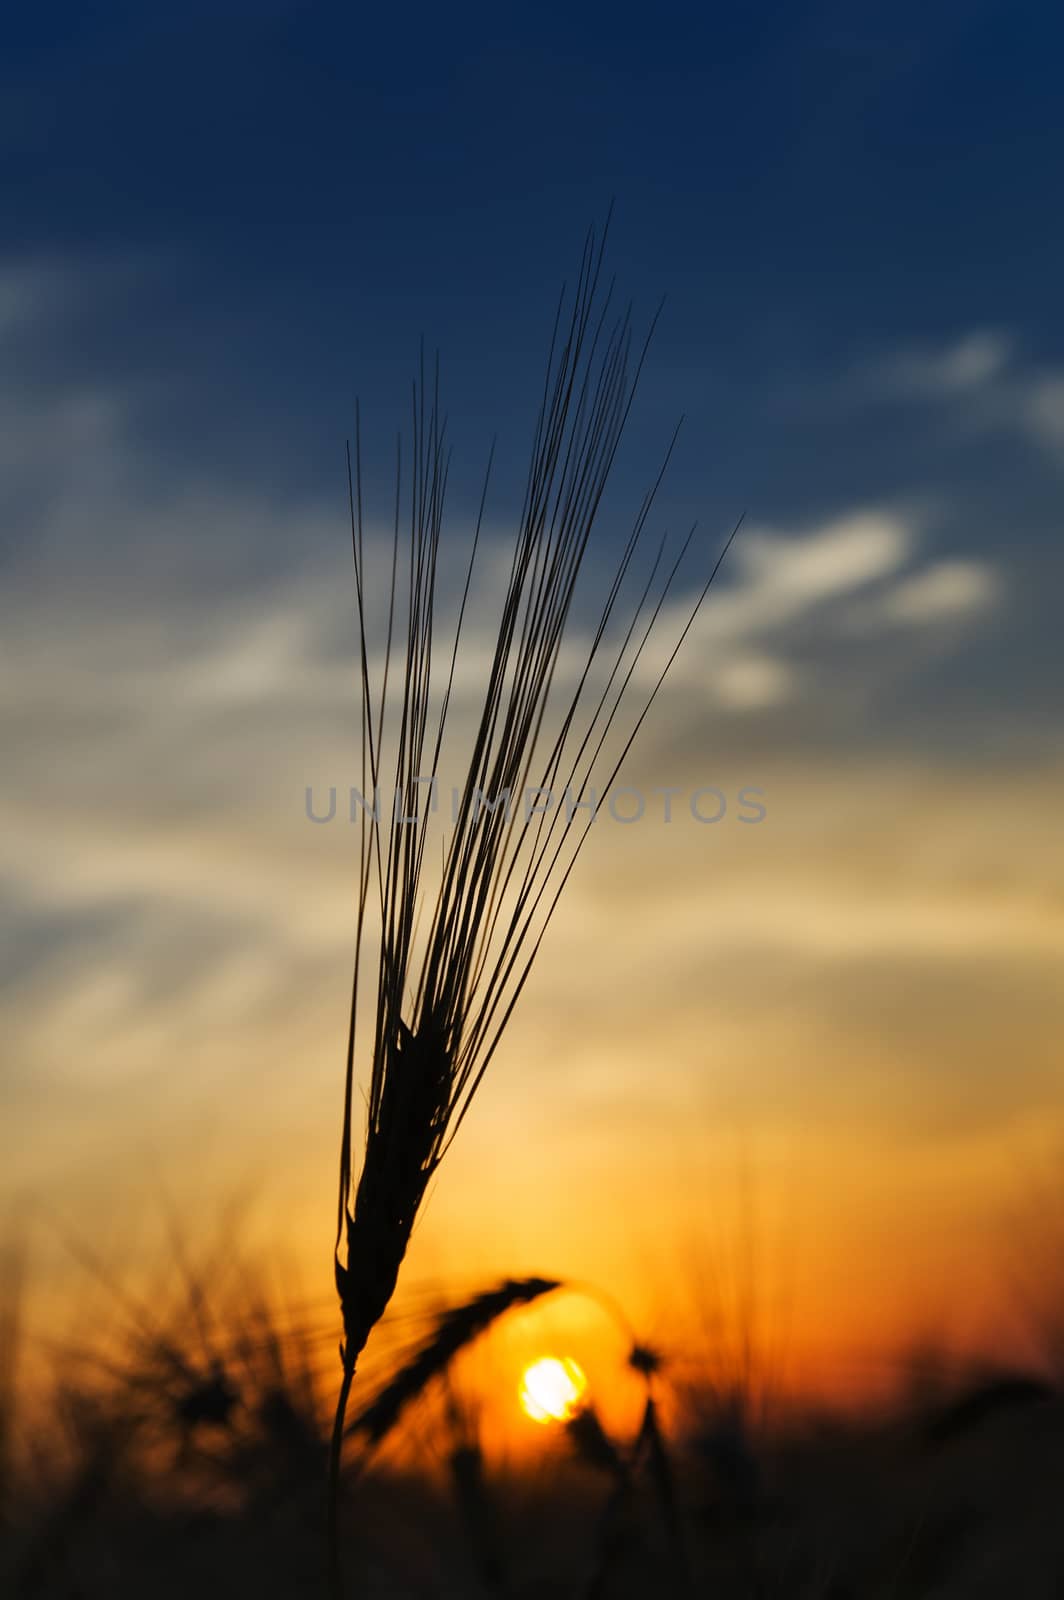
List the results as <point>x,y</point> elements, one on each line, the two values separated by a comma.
<point>314,187</point>
<point>223,223</point>
<point>255,211</point>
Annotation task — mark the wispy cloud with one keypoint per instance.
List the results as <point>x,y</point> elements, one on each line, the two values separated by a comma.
<point>795,598</point>
<point>981,379</point>
<point>968,366</point>
<point>943,592</point>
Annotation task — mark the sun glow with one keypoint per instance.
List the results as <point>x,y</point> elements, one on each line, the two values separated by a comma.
<point>552,1390</point>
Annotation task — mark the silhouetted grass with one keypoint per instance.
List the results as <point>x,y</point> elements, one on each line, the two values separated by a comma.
<point>439,1014</point>
<point>186,1452</point>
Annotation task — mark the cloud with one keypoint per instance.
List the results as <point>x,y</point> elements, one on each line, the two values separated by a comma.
<point>824,617</point>
<point>835,560</point>
<point>981,379</point>
<point>754,682</point>
<point>1044,409</point>
<point>967,366</point>
<point>948,590</point>
<point>776,582</point>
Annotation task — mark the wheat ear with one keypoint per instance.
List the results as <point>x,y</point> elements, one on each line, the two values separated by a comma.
<point>440,1013</point>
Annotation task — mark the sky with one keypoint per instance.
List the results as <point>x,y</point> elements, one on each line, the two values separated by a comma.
<point>839,1029</point>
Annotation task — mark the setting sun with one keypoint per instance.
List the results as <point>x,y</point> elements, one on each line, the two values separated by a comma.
<point>553,1390</point>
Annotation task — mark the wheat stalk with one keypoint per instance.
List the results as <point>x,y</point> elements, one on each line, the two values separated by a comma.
<point>440,1011</point>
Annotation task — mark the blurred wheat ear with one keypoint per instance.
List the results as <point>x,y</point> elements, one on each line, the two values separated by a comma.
<point>454,1330</point>
<point>441,1008</point>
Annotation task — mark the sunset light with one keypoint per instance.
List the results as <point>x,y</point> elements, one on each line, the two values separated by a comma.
<point>553,1390</point>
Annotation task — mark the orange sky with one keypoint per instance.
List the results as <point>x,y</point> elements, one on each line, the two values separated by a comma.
<point>823,1050</point>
